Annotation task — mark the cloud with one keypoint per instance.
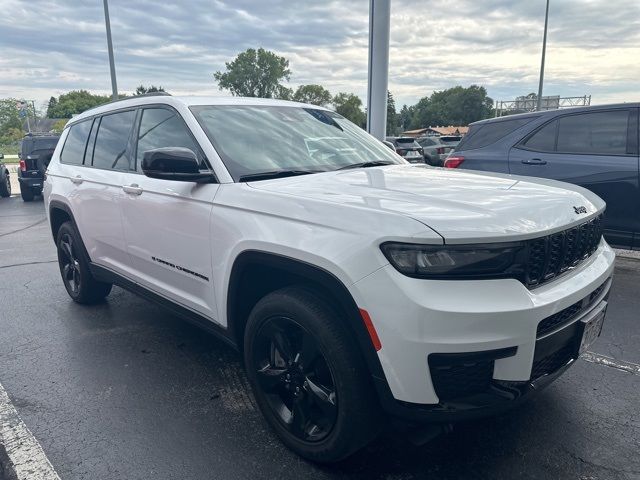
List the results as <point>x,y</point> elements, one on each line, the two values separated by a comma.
<point>52,46</point>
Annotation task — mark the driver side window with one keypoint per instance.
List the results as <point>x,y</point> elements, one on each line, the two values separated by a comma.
<point>160,128</point>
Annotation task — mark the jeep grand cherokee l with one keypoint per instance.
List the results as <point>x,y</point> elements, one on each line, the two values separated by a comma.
<point>352,282</point>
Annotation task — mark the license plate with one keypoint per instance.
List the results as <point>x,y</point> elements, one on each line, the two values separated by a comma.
<point>592,329</point>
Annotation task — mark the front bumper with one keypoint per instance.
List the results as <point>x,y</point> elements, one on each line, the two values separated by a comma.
<point>459,349</point>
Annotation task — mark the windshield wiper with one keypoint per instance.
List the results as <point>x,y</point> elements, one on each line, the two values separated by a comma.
<point>373,163</point>
<point>275,174</point>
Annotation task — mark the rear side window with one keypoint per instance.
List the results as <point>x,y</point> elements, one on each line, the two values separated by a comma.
<point>74,145</point>
<point>162,127</point>
<point>485,134</point>
<point>110,149</point>
<point>598,133</point>
<point>544,140</point>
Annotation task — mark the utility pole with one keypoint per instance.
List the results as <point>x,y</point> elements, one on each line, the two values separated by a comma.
<point>379,26</point>
<point>112,65</point>
<point>544,50</point>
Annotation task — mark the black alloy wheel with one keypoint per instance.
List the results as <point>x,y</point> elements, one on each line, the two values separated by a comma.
<point>296,379</point>
<point>69,264</point>
<point>75,271</point>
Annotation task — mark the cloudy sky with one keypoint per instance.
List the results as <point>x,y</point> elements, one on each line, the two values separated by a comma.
<point>48,47</point>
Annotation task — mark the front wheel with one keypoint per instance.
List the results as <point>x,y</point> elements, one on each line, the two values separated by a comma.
<point>308,377</point>
<point>74,268</point>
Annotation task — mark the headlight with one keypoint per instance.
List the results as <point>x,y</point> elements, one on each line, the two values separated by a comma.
<point>498,260</point>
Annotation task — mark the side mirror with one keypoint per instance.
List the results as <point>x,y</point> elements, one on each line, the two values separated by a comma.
<point>174,163</point>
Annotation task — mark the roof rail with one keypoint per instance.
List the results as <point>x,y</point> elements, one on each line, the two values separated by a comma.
<point>41,134</point>
<point>150,94</point>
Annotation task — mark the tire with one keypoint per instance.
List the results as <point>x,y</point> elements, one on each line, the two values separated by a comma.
<point>5,186</point>
<point>73,261</point>
<point>335,410</point>
<point>27,194</point>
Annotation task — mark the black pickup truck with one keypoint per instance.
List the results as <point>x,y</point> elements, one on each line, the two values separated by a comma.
<point>35,153</point>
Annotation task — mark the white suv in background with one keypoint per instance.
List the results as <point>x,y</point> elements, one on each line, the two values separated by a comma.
<point>353,282</point>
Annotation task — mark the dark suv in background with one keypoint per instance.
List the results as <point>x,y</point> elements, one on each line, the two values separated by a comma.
<point>35,153</point>
<point>594,147</point>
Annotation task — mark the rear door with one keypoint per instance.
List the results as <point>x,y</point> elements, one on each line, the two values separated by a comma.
<point>167,224</point>
<point>98,184</point>
<point>597,150</point>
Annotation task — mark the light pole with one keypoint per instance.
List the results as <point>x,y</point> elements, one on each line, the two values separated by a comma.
<point>112,65</point>
<point>544,50</point>
<point>379,25</point>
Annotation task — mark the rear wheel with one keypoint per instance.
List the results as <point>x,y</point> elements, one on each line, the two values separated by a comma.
<point>27,194</point>
<point>5,186</point>
<point>308,377</point>
<point>74,268</point>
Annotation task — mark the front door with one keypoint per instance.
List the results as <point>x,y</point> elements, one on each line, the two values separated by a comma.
<point>167,223</point>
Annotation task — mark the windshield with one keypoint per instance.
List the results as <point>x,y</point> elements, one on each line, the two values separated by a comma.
<point>254,139</point>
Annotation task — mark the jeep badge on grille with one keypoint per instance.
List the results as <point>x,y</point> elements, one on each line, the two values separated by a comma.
<point>580,209</point>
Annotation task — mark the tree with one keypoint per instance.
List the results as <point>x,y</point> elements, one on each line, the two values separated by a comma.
<point>454,106</point>
<point>74,102</point>
<point>350,106</point>
<point>58,126</point>
<point>392,116</point>
<point>9,117</point>
<point>51,107</point>
<point>405,118</point>
<point>313,94</point>
<point>141,90</point>
<point>255,73</point>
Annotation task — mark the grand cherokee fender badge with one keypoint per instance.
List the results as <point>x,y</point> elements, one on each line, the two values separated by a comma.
<point>179,268</point>
<point>580,209</point>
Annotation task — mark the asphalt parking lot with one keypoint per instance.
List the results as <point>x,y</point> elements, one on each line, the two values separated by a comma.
<point>127,390</point>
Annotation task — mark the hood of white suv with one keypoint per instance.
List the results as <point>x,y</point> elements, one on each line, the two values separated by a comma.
<point>462,206</point>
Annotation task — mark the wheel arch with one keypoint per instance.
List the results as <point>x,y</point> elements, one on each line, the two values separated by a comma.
<point>58,214</point>
<point>256,273</point>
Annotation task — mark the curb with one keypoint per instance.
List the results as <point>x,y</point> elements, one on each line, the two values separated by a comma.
<point>629,254</point>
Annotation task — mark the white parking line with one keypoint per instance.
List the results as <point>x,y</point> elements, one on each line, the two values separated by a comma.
<point>25,453</point>
<point>612,362</point>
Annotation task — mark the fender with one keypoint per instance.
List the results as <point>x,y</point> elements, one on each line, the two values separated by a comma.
<point>316,275</point>
<point>58,205</point>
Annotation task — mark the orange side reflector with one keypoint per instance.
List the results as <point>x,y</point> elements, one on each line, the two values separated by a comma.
<point>371,329</point>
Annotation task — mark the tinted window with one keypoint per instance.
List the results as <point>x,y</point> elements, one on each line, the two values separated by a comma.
<point>110,150</point>
<point>73,150</point>
<point>602,133</point>
<point>426,142</point>
<point>161,127</point>
<point>485,134</point>
<point>544,140</point>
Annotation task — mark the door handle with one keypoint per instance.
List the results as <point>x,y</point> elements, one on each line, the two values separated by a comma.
<point>534,161</point>
<point>77,179</point>
<point>133,189</point>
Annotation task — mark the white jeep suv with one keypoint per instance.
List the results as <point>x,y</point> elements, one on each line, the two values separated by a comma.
<point>352,282</point>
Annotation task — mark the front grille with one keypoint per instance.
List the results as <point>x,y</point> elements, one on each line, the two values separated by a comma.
<point>552,362</point>
<point>549,256</point>
<point>565,316</point>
